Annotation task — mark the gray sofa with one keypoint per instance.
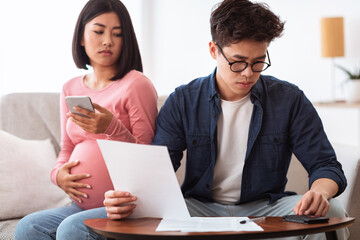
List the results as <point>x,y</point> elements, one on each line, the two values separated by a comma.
<point>36,116</point>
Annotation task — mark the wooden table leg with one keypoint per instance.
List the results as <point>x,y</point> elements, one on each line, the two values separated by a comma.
<point>331,235</point>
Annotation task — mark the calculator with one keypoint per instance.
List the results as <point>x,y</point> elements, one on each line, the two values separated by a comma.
<point>307,219</point>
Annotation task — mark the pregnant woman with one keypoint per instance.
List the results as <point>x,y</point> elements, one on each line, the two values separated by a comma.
<point>125,103</point>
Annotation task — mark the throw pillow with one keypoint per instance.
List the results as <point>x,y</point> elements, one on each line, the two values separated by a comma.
<point>25,184</point>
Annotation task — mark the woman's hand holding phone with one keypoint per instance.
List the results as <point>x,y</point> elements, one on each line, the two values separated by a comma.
<point>93,122</point>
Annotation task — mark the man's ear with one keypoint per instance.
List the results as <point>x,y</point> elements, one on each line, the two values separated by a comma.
<point>213,49</point>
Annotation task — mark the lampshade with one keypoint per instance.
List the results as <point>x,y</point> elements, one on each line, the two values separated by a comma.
<point>332,37</point>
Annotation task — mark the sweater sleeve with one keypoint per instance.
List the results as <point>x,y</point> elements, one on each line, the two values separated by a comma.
<point>67,145</point>
<point>141,105</point>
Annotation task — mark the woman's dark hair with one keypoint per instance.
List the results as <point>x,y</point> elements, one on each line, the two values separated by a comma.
<point>235,20</point>
<point>130,58</point>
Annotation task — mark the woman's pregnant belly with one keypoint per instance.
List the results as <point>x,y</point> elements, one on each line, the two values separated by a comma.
<point>91,162</point>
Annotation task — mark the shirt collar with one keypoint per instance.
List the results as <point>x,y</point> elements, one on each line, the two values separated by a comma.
<point>212,87</point>
<point>257,90</point>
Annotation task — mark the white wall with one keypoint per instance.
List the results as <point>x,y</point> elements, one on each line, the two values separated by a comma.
<point>35,45</point>
<point>179,46</point>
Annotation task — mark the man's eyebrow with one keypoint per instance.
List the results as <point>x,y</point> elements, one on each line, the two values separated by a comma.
<point>243,57</point>
<point>102,25</point>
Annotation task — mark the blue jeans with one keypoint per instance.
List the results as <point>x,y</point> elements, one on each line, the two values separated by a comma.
<point>64,223</point>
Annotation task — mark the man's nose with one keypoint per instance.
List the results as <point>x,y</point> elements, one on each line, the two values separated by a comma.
<point>248,72</point>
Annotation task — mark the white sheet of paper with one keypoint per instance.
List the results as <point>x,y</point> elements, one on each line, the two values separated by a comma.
<point>207,224</point>
<point>146,172</point>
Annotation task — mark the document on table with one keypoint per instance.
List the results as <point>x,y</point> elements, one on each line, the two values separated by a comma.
<point>208,224</point>
<point>146,172</point>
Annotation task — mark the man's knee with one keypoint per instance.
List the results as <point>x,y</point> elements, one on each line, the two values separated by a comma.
<point>336,209</point>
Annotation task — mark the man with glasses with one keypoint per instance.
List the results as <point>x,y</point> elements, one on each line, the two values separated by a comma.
<point>240,129</point>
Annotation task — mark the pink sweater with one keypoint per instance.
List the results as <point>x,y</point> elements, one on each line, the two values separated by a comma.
<point>133,101</point>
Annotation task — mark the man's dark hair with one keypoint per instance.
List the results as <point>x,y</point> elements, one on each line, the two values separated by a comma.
<point>235,20</point>
<point>130,58</point>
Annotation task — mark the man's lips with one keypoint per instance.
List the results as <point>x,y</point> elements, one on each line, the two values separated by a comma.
<point>244,84</point>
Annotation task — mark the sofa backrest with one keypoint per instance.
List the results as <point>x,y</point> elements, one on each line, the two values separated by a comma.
<point>31,116</point>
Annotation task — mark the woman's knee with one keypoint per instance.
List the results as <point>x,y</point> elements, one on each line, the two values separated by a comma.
<point>73,227</point>
<point>32,227</point>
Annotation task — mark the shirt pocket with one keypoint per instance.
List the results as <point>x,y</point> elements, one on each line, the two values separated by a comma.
<point>198,152</point>
<point>273,151</point>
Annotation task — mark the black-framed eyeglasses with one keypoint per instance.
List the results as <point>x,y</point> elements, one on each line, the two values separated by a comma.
<point>239,66</point>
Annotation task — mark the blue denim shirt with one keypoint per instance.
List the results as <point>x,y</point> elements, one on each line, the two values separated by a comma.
<point>283,122</point>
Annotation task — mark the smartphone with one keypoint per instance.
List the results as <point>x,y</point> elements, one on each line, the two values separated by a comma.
<point>79,101</point>
<point>308,219</point>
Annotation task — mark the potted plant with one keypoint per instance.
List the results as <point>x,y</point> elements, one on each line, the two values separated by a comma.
<point>352,84</point>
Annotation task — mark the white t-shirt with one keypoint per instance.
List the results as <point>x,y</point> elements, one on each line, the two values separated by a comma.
<point>232,133</point>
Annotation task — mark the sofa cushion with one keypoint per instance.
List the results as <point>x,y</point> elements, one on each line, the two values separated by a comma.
<point>25,184</point>
<point>7,229</point>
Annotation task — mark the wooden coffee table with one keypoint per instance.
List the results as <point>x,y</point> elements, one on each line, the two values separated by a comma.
<point>145,228</point>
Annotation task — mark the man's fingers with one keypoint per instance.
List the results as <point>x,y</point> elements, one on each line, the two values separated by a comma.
<point>305,203</point>
<point>116,194</point>
<point>108,202</point>
<point>118,215</point>
<point>120,212</point>
<point>297,207</point>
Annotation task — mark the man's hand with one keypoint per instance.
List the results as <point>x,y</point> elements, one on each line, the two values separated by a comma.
<point>67,181</point>
<point>312,203</point>
<point>94,122</point>
<point>315,201</point>
<point>118,204</point>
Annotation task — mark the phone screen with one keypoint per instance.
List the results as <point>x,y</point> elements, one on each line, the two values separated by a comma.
<point>79,101</point>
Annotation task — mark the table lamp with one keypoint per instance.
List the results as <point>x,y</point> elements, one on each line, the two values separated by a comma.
<point>332,43</point>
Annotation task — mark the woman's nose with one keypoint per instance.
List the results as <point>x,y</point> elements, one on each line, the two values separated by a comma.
<point>107,40</point>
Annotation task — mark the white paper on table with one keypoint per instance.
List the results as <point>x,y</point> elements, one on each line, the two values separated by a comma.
<point>207,224</point>
<point>146,172</point>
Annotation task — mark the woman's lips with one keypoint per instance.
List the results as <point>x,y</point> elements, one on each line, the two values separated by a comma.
<point>106,53</point>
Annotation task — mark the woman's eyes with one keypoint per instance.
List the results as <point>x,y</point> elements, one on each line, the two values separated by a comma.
<point>114,34</point>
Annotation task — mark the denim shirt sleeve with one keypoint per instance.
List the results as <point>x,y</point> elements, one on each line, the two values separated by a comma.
<point>169,130</point>
<point>311,146</point>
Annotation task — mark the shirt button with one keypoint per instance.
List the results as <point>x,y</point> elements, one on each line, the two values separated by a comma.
<point>214,115</point>
<point>207,185</point>
<point>194,142</point>
<point>276,140</point>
